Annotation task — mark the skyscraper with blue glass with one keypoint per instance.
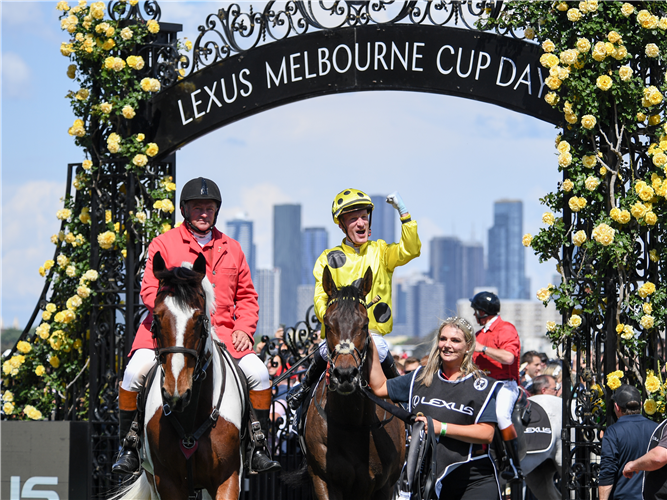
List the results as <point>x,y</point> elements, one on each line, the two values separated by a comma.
<point>506,269</point>
<point>383,225</point>
<point>241,229</point>
<point>287,257</point>
<point>315,241</point>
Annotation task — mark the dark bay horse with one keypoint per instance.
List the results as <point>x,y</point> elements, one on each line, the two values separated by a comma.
<point>354,449</point>
<point>194,404</point>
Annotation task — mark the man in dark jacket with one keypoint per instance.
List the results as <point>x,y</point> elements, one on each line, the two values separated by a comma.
<point>624,441</point>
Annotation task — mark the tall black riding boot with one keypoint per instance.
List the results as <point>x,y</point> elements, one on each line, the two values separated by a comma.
<point>513,472</point>
<point>312,375</point>
<point>128,458</point>
<point>389,367</point>
<point>260,460</point>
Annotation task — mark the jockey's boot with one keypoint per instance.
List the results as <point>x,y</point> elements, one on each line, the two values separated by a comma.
<point>312,375</point>
<point>128,458</point>
<point>389,367</point>
<point>260,459</point>
<point>513,471</point>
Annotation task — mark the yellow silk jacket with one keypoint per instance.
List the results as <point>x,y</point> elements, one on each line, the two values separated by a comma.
<point>347,266</point>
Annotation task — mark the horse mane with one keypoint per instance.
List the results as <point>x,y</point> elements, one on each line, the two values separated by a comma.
<point>183,282</point>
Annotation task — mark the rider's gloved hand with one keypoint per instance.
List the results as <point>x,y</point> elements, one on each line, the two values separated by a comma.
<point>395,200</point>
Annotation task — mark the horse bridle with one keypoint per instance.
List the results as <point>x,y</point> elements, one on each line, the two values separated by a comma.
<point>347,346</point>
<point>201,361</point>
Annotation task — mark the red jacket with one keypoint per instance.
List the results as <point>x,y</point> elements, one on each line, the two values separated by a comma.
<point>501,335</point>
<point>226,268</point>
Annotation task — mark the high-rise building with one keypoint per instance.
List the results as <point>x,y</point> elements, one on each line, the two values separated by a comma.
<point>383,223</point>
<point>287,257</point>
<point>446,254</point>
<point>305,295</point>
<point>473,268</point>
<point>419,305</point>
<point>268,290</point>
<point>506,268</point>
<point>315,241</point>
<point>241,229</point>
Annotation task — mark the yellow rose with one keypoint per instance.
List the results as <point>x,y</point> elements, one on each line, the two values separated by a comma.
<point>84,216</point>
<point>152,149</point>
<point>140,137</point>
<point>564,159</point>
<point>23,347</point>
<point>153,26</point>
<point>145,84</point>
<point>638,210</point>
<point>54,361</point>
<point>40,370</point>
<point>604,234</point>
<point>659,159</point>
<point>571,118</point>
<point>128,112</point>
<point>83,291</point>
<point>588,121</point>
<point>66,49</point>
<point>627,9</point>
<point>551,98</point>
<point>573,203</point>
<point>568,56</point>
<point>108,44</point>
<point>613,383</point>
<point>77,344</point>
<point>167,206</point>
<point>527,240</point>
<point>97,10</point>
<point>647,321</point>
<point>603,82</point>
<point>69,238</point>
<point>574,15</point>
<point>663,23</point>
<point>91,275</point>
<point>654,120</point>
<point>551,326</point>
<point>548,46</point>
<point>625,72</point>
<point>32,413</point>
<point>74,302</point>
<point>574,321</point>
<point>140,160</point>
<point>63,214</point>
<point>529,33</point>
<point>165,227</point>
<point>548,218</point>
<point>106,239</point>
<point>647,308</point>
<point>592,183</point>
<point>8,396</point>
<point>553,82</point>
<point>646,289</point>
<point>141,217</point>
<point>589,161</point>
<point>650,407</point>
<point>126,34</point>
<point>563,147</point>
<point>579,238</point>
<point>653,255</point>
<point>614,37</point>
<point>620,53</point>
<point>652,50</point>
<point>8,408</point>
<point>641,117</point>
<point>543,294</point>
<point>46,315</point>
<point>650,218</point>
<point>62,5</point>
<point>87,165</point>
<point>583,45</point>
<point>567,185</point>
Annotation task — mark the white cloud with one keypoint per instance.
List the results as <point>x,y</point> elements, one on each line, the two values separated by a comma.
<point>16,76</point>
<point>28,221</point>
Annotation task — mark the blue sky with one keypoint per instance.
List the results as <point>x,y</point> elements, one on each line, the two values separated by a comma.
<point>450,158</point>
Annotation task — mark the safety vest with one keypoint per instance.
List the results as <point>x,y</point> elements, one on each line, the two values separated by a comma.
<point>455,402</point>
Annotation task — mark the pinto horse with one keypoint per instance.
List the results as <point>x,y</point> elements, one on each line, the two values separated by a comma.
<point>194,404</point>
<point>354,449</point>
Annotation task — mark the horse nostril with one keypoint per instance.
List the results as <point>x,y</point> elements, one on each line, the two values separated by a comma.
<point>165,395</point>
<point>354,373</point>
<point>186,397</point>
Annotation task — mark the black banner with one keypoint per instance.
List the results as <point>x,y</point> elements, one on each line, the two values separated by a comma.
<point>471,64</point>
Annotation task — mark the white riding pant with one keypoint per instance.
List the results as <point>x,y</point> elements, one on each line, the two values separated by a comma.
<point>143,359</point>
<point>505,400</point>
<point>380,344</point>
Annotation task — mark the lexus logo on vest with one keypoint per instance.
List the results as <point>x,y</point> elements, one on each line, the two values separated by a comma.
<point>440,403</point>
<point>480,384</point>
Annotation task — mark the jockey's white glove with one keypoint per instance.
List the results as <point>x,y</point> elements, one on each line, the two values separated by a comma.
<point>395,200</point>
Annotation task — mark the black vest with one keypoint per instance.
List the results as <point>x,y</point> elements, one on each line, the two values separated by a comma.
<point>655,482</point>
<point>460,402</point>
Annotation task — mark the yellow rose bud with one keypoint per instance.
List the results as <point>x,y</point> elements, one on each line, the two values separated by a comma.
<point>526,240</point>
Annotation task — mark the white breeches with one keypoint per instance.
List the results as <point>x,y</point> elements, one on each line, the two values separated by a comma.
<point>507,396</point>
<point>142,360</point>
<point>380,344</point>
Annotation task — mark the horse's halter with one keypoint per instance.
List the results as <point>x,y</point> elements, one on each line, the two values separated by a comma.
<point>347,346</point>
<point>201,362</point>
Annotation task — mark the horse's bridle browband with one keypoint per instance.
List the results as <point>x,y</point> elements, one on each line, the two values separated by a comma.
<point>201,362</point>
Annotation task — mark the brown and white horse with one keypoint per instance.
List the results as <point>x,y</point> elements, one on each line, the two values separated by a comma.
<point>194,406</point>
<point>354,449</point>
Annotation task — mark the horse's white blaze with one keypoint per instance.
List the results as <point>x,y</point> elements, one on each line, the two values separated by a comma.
<point>181,315</point>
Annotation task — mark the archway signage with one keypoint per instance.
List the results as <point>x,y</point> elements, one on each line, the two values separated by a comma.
<point>472,64</point>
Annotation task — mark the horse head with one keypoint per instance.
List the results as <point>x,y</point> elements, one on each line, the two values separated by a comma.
<point>346,327</point>
<point>181,328</point>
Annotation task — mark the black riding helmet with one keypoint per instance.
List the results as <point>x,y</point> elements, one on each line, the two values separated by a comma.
<point>486,302</point>
<point>200,189</point>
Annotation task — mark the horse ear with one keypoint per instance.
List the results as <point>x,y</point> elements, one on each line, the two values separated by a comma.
<point>158,263</point>
<point>328,282</point>
<point>368,281</point>
<point>200,264</point>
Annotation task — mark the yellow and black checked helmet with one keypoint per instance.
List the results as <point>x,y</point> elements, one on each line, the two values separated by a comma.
<point>350,200</point>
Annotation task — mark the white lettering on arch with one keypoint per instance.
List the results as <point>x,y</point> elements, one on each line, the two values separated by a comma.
<point>526,74</point>
<point>334,59</point>
<point>500,72</point>
<point>438,59</point>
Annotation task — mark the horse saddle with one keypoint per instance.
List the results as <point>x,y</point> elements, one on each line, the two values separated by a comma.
<point>538,432</point>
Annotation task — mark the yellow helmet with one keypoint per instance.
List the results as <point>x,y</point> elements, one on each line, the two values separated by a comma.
<point>348,201</point>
